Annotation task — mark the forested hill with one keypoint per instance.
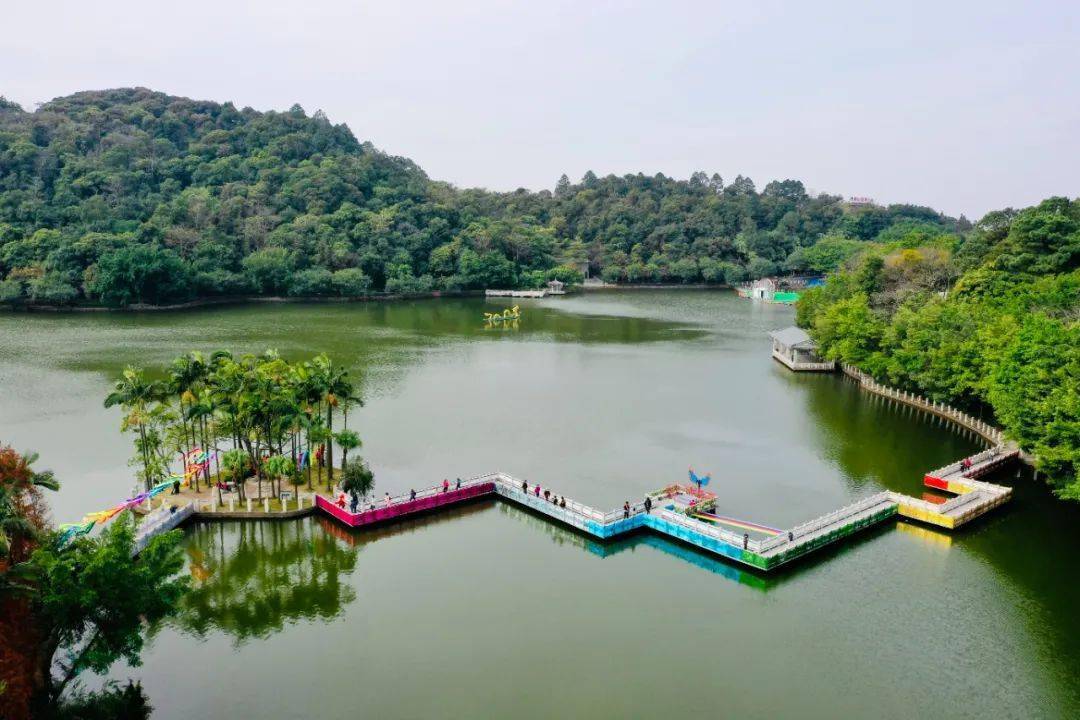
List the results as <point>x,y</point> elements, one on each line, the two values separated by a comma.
<point>991,323</point>
<point>132,196</point>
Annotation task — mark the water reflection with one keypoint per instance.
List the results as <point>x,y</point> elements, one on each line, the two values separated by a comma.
<point>839,414</point>
<point>406,526</point>
<point>929,537</point>
<point>690,555</point>
<point>251,579</point>
<point>556,533</point>
<point>563,535</point>
<point>1021,542</point>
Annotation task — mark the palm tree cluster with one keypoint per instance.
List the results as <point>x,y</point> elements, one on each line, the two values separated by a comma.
<point>252,415</point>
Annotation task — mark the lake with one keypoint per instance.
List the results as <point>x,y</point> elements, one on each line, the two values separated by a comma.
<point>490,611</point>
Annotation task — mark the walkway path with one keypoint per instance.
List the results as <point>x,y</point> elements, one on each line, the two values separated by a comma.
<point>974,498</point>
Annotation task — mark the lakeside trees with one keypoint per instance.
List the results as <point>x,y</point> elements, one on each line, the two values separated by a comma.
<point>989,320</point>
<point>129,196</point>
<point>252,414</point>
<point>76,607</point>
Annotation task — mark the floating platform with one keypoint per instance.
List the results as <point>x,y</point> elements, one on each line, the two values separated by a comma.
<point>974,498</point>
<point>798,366</point>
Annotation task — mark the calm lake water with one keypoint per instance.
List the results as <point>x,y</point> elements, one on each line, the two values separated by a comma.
<point>489,611</point>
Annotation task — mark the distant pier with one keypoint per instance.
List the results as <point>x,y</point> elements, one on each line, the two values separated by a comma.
<point>517,293</point>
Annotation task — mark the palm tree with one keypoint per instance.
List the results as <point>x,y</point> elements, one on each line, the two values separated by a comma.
<point>200,412</point>
<point>235,463</point>
<point>347,440</point>
<point>333,383</point>
<point>185,373</point>
<point>317,435</point>
<point>278,466</point>
<point>308,398</point>
<point>314,430</point>
<point>346,401</point>
<point>135,393</point>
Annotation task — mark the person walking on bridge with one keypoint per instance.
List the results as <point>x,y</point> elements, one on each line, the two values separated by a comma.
<point>412,494</point>
<point>648,504</point>
<point>445,485</point>
<point>626,509</point>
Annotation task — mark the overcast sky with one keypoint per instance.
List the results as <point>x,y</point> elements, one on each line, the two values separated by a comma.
<point>964,106</point>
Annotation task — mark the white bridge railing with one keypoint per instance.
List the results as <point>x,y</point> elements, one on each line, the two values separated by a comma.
<point>985,457</point>
<point>987,431</point>
<point>704,528</point>
<point>159,521</point>
<point>820,523</point>
<point>510,485</point>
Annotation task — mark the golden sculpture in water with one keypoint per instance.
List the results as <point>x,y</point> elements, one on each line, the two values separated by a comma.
<point>505,316</point>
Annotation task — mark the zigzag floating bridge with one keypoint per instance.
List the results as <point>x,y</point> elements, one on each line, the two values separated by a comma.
<point>685,514</point>
<point>670,515</point>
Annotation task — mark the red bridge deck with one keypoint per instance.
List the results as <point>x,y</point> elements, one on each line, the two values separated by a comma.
<point>426,500</point>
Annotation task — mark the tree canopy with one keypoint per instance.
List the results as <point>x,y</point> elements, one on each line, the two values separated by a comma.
<point>989,320</point>
<point>130,196</point>
<point>273,415</point>
<point>67,608</point>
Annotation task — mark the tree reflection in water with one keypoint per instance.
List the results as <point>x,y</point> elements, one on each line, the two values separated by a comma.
<point>251,579</point>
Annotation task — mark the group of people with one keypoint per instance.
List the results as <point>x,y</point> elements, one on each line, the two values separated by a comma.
<point>556,500</point>
<point>353,500</point>
<point>548,495</point>
<point>560,501</point>
<point>627,508</point>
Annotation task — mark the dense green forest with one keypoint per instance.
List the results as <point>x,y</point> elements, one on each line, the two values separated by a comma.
<point>989,320</point>
<point>132,196</point>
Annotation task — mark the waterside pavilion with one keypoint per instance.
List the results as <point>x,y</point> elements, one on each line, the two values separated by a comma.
<point>793,348</point>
